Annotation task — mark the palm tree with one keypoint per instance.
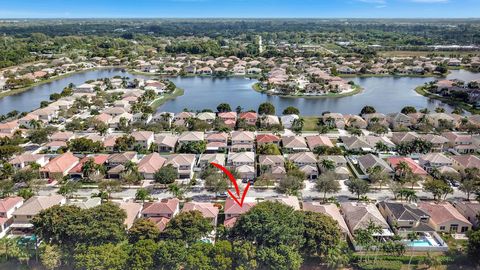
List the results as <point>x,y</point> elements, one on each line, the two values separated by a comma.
<point>411,237</point>
<point>176,190</point>
<point>381,147</point>
<point>142,195</point>
<point>328,164</point>
<point>88,167</point>
<point>402,169</point>
<point>35,124</point>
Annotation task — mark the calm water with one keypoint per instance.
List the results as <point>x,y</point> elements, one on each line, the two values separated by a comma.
<point>386,94</point>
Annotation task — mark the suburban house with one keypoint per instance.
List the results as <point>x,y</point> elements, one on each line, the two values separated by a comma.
<point>249,117</point>
<point>462,143</point>
<point>228,118</point>
<point>133,211</point>
<point>233,211</point>
<point>161,212</point>
<point>416,169</point>
<point>241,158</point>
<point>242,141</point>
<point>77,171</point>
<point>205,160</point>
<point>369,161</point>
<point>191,136</point>
<point>59,166</point>
<point>208,210</point>
<point>291,201</point>
<point>166,143</point>
<point>434,160</point>
<point>123,158</point>
<point>273,165</point>
<point>405,218</point>
<point>318,140</point>
<point>184,164</point>
<point>307,163</point>
<point>358,215</point>
<point>438,142</point>
<point>150,164</point>
<point>399,120</point>
<point>287,120</point>
<point>460,163</point>
<point>23,160</point>
<point>267,138</point>
<point>330,210</point>
<point>208,117</point>
<point>354,143</point>
<point>8,205</point>
<point>340,163</point>
<point>24,214</point>
<point>143,139</point>
<point>470,210</point>
<point>445,218</point>
<point>404,137</point>
<point>294,144</point>
<point>216,142</point>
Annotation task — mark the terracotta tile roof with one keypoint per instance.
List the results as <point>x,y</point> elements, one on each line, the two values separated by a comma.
<point>163,207</point>
<point>329,210</point>
<point>416,169</point>
<point>442,212</point>
<point>232,208</point>
<point>267,138</point>
<point>467,161</point>
<point>38,203</point>
<point>248,115</point>
<point>98,159</point>
<point>160,222</point>
<point>132,209</point>
<point>6,204</point>
<point>151,163</point>
<point>314,141</point>
<point>208,210</point>
<point>61,163</point>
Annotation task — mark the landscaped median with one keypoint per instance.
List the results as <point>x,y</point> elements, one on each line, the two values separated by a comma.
<point>166,97</point>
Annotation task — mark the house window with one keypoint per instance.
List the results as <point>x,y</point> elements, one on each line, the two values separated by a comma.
<point>442,228</point>
<point>464,229</point>
<point>453,228</point>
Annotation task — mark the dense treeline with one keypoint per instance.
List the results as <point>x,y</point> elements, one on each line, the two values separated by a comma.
<point>270,236</point>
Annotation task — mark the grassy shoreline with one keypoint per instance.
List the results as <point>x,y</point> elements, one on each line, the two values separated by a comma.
<point>356,91</point>
<point>450,101</point>
<point>164,98</point>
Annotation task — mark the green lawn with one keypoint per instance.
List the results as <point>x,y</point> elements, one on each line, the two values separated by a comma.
<point>164,98</point>
<point>310,123</point>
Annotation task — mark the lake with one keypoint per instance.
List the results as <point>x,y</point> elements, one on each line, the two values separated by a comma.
<point>386,94</point>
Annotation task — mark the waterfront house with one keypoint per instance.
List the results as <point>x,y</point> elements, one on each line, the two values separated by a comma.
<point>445,218</point>
<point>273,165</point>
<point>287,120</point>
<point>249,117</point>
<point>208,117</point>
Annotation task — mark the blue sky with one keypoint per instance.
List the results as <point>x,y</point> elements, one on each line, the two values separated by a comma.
<point>239,8</point>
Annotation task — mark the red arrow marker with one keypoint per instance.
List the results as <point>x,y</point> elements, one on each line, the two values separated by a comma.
<point>234,181</point>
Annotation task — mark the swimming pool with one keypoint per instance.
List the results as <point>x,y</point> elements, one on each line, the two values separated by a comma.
<point>424,241</point>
